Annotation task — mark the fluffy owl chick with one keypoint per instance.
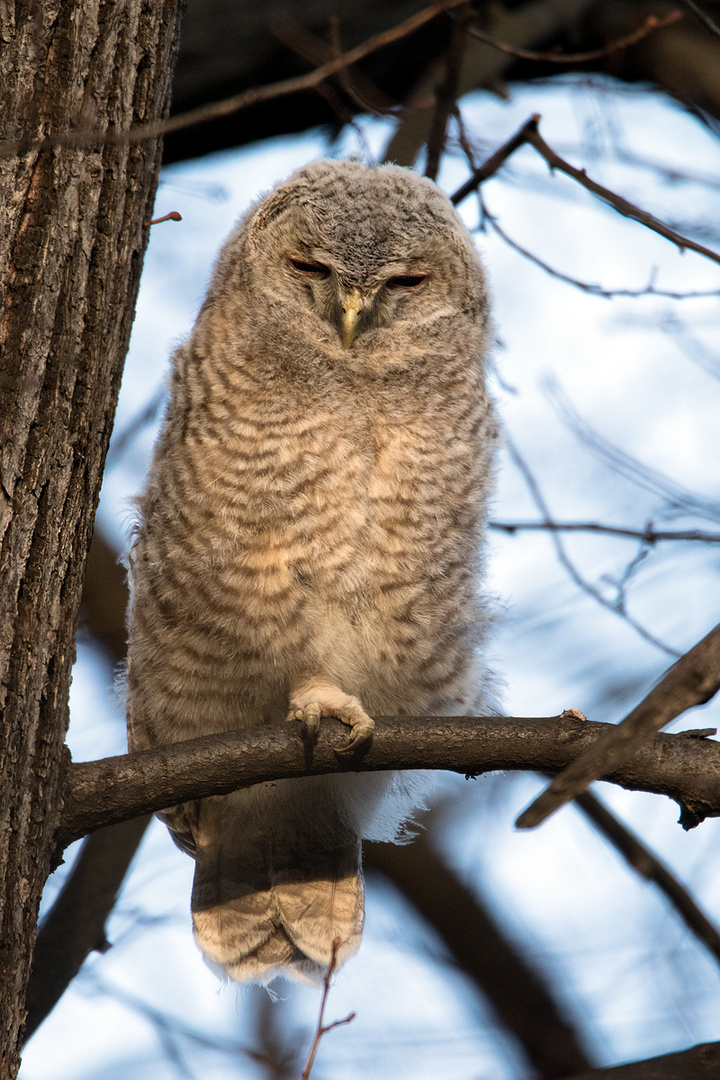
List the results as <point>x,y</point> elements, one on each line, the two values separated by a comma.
<point>309,541</point>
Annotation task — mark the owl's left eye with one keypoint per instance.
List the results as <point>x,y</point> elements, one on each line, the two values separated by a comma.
<point>312,269</point>
<point>407,281</point>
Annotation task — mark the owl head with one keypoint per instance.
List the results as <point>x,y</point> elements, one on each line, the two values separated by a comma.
<point>364,267</point>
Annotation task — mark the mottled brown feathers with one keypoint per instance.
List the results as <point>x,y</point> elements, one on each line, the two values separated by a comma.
<point>310,538</point>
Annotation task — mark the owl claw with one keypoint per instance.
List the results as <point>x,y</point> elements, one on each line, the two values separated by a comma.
<point>362,729</point>
<point>324,699</point>
<point>309,717</point>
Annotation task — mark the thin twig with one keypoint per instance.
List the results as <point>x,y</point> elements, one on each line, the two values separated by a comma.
<point>617,607</point>
<point>647,536</point>
<point>361,90</point>
<point>172,216</point>
<point>678,498</point>
<point>693,680</point>
<point>623,206</point>
<point>228,106</point>
<point>323,1029</point>
<point>530,134</point>
<point>467,149</point>
<point>588,286</point>
<point>652,23</point>
<point>495,162</point>
<point>145,416</point>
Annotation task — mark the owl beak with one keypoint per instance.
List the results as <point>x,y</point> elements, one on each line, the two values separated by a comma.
<point>352,306</point>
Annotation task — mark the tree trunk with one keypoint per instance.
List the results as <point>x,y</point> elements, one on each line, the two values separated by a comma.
<point>71,245</point>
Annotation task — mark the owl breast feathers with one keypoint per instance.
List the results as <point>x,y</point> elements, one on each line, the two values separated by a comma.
<point>310,538</point>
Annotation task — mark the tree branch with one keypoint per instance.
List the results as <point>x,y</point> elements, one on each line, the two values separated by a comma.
<point>698,1063</point>
<point>650,867</point>
<point>446,94</point>
<point>530,134</point>
<point>648,535</point>
<point>623,206</point>
<point>100,793</point>
<point>496,161</point>
<point>75,925</point>
<point>652,22</point>
<point>228,106</point>
<point>702,17</point>
<point>693,680</point>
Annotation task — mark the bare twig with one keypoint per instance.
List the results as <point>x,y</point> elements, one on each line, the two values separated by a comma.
<point>652,23</point>
<point>496,161</point>
<point>145,416</point>
<point>617,606</point>
<point>447,93</point>
<point>702,16</point>
<point>689,345</point>
<point>361,90</point>
<point>693,680</point>
<point>649,866</point>
<point>219,109</point>
<point>530,134</point>
<point>623,206</point>
<point>322,1029</point>
<point>647,536</point>
<point>172,216</point>
<point>589,286</point>
<point>677,497</point>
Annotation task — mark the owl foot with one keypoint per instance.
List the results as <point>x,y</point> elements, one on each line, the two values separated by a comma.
<point>319,699</point>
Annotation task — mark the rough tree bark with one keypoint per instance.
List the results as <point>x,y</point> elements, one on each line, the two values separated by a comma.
<point>72,237</point>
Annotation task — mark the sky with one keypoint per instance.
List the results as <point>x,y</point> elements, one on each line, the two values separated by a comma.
<point>642,375</point>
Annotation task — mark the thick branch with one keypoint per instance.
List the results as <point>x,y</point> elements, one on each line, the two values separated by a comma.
<point>99,793</point>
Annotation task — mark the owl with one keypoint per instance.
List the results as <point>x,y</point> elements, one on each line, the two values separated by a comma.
<point>309,543</point>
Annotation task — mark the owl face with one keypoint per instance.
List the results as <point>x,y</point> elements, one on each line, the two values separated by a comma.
<point>370,267</point>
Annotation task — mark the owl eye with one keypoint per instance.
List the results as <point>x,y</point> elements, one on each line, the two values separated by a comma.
<point>409,281</point>
<point>312,269</point>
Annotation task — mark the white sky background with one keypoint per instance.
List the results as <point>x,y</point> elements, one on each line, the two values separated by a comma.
<point>630,974</point>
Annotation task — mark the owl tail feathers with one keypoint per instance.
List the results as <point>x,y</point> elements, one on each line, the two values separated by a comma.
<point>279,921</point>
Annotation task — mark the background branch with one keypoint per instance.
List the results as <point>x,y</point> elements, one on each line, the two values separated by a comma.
<point>75,924</point>
<point>698,1063</point>
<point>523,1000</point>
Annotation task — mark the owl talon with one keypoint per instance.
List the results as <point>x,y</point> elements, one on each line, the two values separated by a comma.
<point>362,733</point>
<point>309,717</point>
<point>322,699</point>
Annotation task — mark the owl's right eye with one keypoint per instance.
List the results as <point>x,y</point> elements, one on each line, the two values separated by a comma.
<point>310,269</point>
